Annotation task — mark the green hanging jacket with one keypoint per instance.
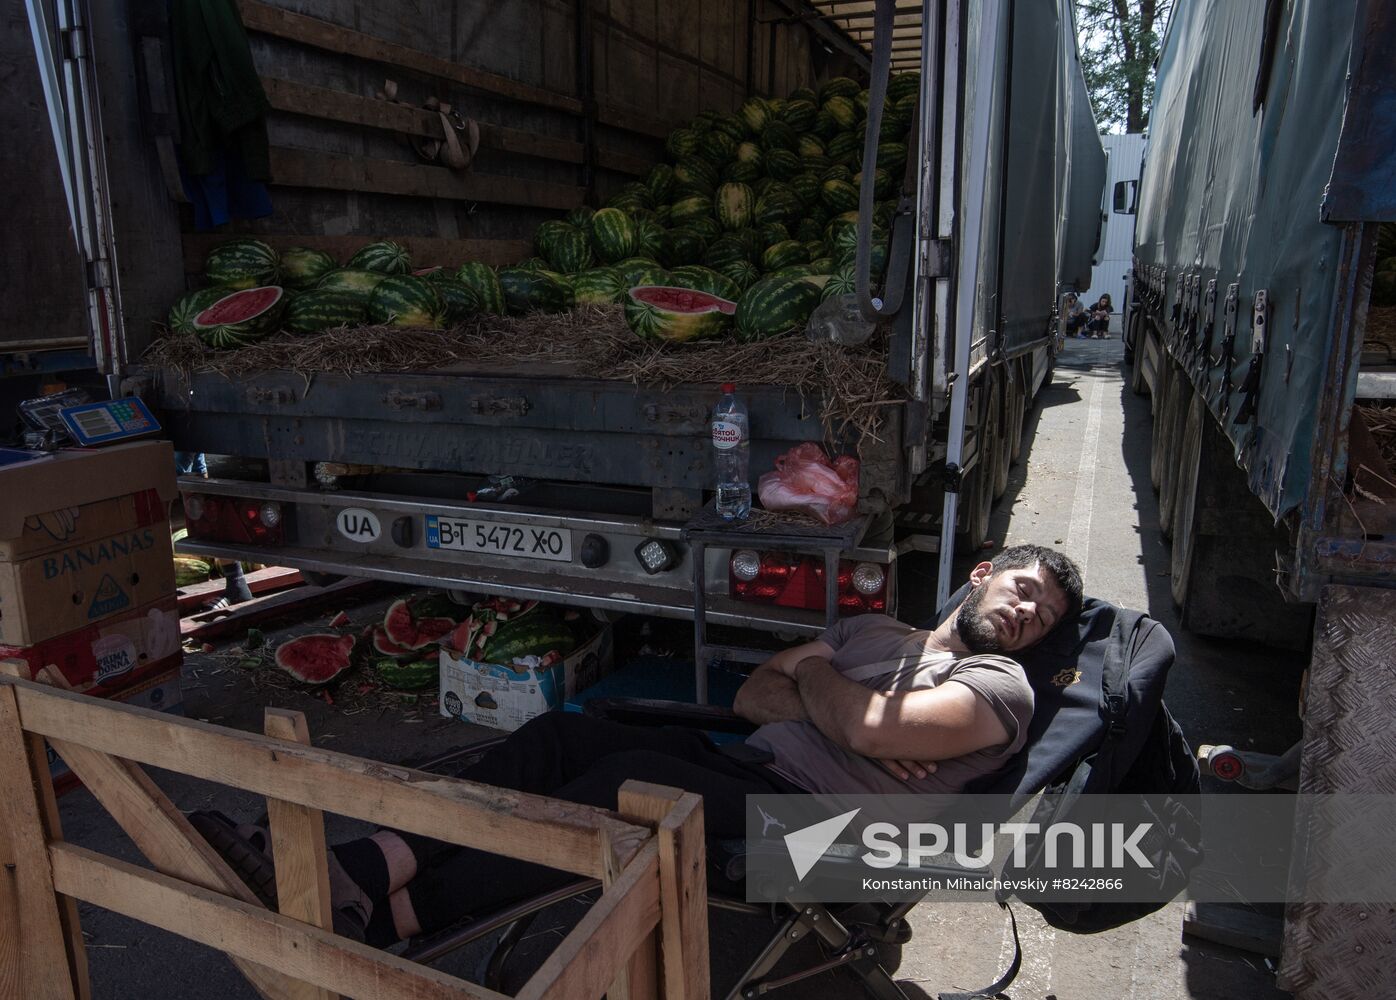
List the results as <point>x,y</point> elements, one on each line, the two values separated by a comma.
<point>221,101</point>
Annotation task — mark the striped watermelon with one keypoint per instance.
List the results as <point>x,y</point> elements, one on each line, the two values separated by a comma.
<point>773,306</point>
<point>686,209</point>
<point>821,265</point>
<point>842,110</point>
<point>457,298</point>
<point>824,125</point>
<point>598,286</point>
<point>750,153</point>
<point>839,196</point>
<point>810,147</point>
<point>882,183</point>
<point>705,227</point>
<point>838,172</point>
<point>613,235</point>
<point>563,246</point>
<point>738,172</point>
<point>694,176</point>
<point>239,318</point>
<point>891,157</point>
<point>319,309</point>
<point>677,315</point>
<point>681,246</point>
<point>481,279</point>
<point>756,114</point>
<point>704,279</point>
<point>799,114</point>
<point>806,186</point>
<point>783,164</point>
<point>403,300</point>
<point>660,181</point>
<point>565,282</point>
<point>903,85</point>
<point>728,249</point>
<point>244,263</point>
<point>771,233</point>
<point>808,231</point>
<point>733,205</point>
<point>641,271</point>
<point>412,676</point>
<point>783,254</point>
<point>779,135</point>
<point>532,291</point>
<point>302,267</point>
<point>384,256</point>
<point>650,238</point>
<point>803,94</point>
<point>839,86</point>
<point>742,272</point>
<point>682,143</point>
<point>717,148</point>
<point>779,204</point>
<point>841,282</point>
<point>579,216</point>
<point>351,281</point>
<point>730,124</point>
<point>182,313</point>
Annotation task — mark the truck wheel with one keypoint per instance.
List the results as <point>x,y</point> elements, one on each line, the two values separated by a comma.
<point>1179,401</point>
<point>1185,497</point>
<point>976,498</point>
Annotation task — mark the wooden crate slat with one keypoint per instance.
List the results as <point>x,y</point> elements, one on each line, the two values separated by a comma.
<point>262,17</point>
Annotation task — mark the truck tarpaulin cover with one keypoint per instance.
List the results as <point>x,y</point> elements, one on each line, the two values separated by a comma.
<point>1229,188</point>
<point>1048,179</point>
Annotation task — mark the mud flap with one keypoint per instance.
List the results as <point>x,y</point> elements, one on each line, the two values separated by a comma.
<point>1344,949</point>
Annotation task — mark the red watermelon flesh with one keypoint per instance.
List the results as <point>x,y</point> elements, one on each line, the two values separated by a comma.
<point>682,299</point>
<point>411,633</point>
<point>239,306</point>
<point>316,659</point>
<point>385,646</point>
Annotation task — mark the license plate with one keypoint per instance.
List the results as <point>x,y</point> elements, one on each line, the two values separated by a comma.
<point>499,538</point>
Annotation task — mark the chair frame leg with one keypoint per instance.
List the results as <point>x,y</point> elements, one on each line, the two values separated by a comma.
<point>859,957</point>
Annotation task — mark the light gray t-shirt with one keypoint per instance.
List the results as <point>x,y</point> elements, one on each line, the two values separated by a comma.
<point>810,759</point>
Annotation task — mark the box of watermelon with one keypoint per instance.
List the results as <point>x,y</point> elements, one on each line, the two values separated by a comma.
<point>513,660</point>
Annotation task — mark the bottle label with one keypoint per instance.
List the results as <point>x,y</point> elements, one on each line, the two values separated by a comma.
<point>726,435</point>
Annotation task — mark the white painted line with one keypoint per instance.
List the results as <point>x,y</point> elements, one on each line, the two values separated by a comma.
<point>1078,534</point>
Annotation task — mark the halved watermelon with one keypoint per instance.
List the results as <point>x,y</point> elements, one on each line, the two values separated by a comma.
<point>242,317</point>
<point>316,659</point>
<point>666,312</point>
<point>382,645</point>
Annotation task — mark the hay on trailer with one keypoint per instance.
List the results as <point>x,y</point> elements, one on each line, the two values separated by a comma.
<point>849,384</point>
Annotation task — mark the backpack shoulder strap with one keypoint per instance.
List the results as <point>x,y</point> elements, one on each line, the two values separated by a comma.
<point>1114,694</point>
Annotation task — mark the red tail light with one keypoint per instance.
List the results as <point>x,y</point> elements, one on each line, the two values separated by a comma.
<point>230,519</point>
<point>796,581</point>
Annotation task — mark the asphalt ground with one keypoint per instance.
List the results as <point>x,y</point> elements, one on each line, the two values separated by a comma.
<point>1083,485</point>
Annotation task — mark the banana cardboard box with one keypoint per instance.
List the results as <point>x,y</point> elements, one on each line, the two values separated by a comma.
<point>84,536</point>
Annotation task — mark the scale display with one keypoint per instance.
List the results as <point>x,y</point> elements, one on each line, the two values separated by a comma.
<point>109,421</point>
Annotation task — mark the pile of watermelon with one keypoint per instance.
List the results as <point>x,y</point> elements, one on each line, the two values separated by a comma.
<point>749,226</point>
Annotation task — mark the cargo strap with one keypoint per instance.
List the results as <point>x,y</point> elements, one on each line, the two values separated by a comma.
<point>460,135</point>
<point>883,22</point>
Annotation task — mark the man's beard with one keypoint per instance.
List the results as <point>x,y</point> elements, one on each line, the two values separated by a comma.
<point>976,629</point>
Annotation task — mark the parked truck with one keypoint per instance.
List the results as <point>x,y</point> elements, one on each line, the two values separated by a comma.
<point>1263,327</point>
<point>354,473</point>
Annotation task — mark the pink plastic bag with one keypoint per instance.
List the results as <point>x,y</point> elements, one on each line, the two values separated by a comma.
<point>805,480</point>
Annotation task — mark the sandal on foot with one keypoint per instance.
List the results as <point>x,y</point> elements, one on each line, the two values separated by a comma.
<point>243,855</point>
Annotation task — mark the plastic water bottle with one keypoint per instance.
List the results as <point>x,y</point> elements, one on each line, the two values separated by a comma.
<point>731,451</point>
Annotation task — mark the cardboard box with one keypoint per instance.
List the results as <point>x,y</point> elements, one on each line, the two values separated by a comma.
<point>34,495</point>
<point>159,692</point>
<point>104,551</point>
<point>505,697</point>
<point>67,589</point>
<point>113,654</point>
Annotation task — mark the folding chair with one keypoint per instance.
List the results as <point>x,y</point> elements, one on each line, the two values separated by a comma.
<point>1070,723</point>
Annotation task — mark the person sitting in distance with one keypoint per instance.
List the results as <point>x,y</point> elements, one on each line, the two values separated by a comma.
<point>928,710</point>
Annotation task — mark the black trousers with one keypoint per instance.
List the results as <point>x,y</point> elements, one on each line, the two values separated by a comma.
<point>578,759</point>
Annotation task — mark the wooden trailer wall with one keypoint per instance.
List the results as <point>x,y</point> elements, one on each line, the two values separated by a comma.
<point>562,122</point>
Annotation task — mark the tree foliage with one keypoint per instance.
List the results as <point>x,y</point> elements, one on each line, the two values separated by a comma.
<point>1119,43</point>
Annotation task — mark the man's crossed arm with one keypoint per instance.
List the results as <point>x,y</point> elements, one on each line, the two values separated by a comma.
<point>906,731</point>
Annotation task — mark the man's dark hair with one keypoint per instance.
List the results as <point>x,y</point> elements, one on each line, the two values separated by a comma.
<point>1061,568</point>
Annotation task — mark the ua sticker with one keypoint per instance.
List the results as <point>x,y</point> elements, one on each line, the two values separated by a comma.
<point>110,597</point>
<point>358,525</point>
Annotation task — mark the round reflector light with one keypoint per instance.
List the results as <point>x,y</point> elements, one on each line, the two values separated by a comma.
<point>270,513</point>
<point>194,507</point>
<point>746,564</point>
<point>868,578</point>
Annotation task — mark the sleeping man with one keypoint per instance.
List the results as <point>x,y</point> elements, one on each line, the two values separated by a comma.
<point>872,705</point>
